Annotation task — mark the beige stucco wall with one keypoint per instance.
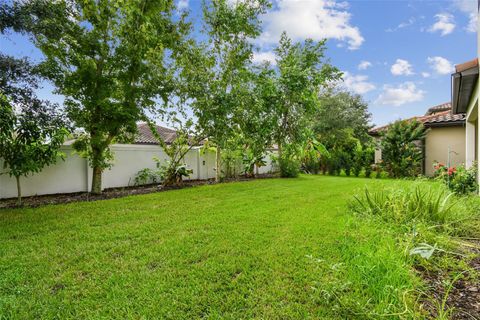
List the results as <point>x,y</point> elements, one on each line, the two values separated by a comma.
<point>437,143</point>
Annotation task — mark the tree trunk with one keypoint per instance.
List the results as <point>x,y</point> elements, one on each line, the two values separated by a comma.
<point>19,191</point>
<point>97,180</point>
<point>256,170</point>
<point>279,146</point>
<point>218,164</point>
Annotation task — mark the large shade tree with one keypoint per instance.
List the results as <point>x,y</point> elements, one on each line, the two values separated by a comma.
<point>109,58</point>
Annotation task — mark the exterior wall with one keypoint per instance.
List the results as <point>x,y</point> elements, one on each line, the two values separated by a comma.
<point>74,174</point>
<point>63,177</point>
<point>472,138</point>
<point>378,151</point>
<point>439,141</point>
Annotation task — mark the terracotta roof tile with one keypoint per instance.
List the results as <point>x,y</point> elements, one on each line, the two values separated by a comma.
<point>145,135</point>
<point>466,65</point>
<point>439,108</point>
<point>433,117</point>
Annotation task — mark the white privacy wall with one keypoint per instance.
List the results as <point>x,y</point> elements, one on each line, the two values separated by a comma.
<point>74,174</point>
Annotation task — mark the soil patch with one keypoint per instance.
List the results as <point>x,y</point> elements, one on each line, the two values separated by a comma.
<point>36,201</point>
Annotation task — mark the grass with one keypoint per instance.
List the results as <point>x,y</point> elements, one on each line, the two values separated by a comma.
<point>274,249</point>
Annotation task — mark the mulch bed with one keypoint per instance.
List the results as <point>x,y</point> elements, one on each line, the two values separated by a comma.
<point>464,297</point>
<point>36,201</point>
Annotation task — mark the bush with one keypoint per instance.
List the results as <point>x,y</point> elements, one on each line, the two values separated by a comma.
<point>401,149</point>
<point>147,176</point>
<point>289,167</point>
<point>457,179</point>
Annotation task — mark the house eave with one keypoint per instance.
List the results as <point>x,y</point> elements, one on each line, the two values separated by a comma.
<point>463,85</point>
<point>444,124</point>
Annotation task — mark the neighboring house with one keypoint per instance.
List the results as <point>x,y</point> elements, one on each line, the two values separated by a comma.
<point>444,141</point>
<point>74,174</point>
<point>465,100</point>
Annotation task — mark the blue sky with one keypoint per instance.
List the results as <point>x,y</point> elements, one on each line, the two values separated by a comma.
<point>397,54</point>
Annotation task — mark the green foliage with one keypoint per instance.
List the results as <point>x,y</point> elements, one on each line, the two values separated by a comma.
<point>300,74</point>
<point>31,130</point>
<point>311,152</point>
<point>289,163</point>
<point>216,70</point>
<point>147,176</point>
<point>341,124</point>
<point>250,161</point>
<point>173,171</point>
<point>29,139</point>
<point>401,148</point>
<point>428,223</point>
<point>459,180</point>
<point>108,58</point>
<point>407,206</point>
<point>341,114</point>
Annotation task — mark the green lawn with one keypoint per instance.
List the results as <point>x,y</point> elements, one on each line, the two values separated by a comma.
<point>278,248</point>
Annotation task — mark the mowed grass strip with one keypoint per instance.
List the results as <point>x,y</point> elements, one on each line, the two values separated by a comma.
<point>276,249</point>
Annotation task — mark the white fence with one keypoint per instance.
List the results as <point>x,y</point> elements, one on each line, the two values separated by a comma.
<point>75,175</point>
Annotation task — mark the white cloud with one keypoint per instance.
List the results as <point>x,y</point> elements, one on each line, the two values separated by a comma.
<point>402,25</point>
<point>401,67</point>
<point>444,24</point>
<point>363,65</point>
<point>425,74</point>
<point>440,65</point>
<point>396,96</point>
<point>182,5</point>
<point>357,83</point>
<point>468,7</point>
<point>316,19</point>
<point>259,57</point>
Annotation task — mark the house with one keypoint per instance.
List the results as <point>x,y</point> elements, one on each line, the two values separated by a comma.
<point>444,141</point>
<point>465,100</point>
<point>74,173</point>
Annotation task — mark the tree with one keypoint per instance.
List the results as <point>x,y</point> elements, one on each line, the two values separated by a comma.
<point>401,148</point>
<point>110,60</point>
<point>340,110</point>
<point>31,130</point>
<point>341,123</point>
<point>221,67</point>
<point>300,75</point>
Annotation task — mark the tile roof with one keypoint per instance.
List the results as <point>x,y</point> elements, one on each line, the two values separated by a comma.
<point>434,117</point>
<point>145,135</point>
<point>466,65</point>
<point>442,118</point>
<point>439,108</point>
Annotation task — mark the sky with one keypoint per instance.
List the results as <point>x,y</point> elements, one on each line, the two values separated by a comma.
<point>398,55</point>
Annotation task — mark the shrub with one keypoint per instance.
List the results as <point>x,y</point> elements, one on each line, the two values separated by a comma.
<point>173,173</point>
<point>401,152</point>
<point>457,179</point>
<point>289,167</point>
<point>146,176</point>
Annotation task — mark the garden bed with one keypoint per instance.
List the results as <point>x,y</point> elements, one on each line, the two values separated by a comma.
<point>111,193</point>
<point>463,298</point>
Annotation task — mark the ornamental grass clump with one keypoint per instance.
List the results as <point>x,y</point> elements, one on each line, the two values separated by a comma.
<point>407,206</point>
